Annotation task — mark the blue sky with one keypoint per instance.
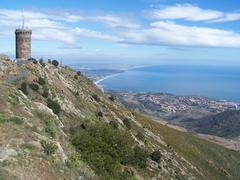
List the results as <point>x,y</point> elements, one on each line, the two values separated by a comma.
<point>136,31</point>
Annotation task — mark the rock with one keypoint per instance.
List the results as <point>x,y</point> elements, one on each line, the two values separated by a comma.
<point>44,108</point>
<point>35,144</point>
<point>61,152</point>
<point>81,178</point>
<point>7,153</point>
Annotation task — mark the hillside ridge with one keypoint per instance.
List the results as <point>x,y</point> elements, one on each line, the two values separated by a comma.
<point>52,117</point>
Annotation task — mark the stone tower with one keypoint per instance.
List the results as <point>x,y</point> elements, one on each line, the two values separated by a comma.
<point>23,43</point>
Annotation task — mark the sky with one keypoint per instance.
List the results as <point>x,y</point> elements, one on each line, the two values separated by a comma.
<point>136,31</point>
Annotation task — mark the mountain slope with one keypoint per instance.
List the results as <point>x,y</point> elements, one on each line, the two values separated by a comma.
<point>225,124</point>
<point>56,124</point>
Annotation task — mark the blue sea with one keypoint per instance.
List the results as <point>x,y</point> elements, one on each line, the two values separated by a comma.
<point>218,82</point>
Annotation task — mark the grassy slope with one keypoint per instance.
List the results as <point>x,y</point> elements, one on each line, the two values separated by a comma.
<point>213,161</point>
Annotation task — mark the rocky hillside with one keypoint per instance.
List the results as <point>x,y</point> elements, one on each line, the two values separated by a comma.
<point>225,124</point>
<point>56,124</point>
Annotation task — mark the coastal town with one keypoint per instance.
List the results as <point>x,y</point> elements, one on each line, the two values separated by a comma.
<point>173,104</point>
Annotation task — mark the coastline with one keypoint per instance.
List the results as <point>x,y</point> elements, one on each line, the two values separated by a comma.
<point>105,78</point>
<point>117,74</point>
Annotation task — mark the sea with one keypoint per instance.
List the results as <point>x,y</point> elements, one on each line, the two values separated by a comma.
<point>217,82</point>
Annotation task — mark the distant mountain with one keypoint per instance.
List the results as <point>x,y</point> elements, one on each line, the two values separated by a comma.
<point>225,124</point>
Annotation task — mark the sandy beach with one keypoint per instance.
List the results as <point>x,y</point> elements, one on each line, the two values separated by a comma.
<point>117,74</point>
<point>107,77</point>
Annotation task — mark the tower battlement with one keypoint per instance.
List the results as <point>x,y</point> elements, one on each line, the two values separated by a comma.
<point>23,43</point>
<point>23,31</point>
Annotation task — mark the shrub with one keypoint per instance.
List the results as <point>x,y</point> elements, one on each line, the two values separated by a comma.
<point>74,160</point>
<point>96,98</point>
<point>48,147</point>
<point>77,93</point>
<point>75,76</point>
<point>50,126</point>
<point>114,124</point>
<point>41,61</point>
<point>49,122</point>
<point>79,73</point>
<point>28,146</point>
<point>140,135</point>
<point>112,98</point>
<point>83,126</point>
<point>16,120</point>
<point>55,63</point>
<point>127,123</point>
<point>51,131</point>
<point>23,88</point>
<point>156,156</point>
<point>56,108</point>
<point>34,87</point>
<point>45,94</point>
<point>41,81</point>
<point>34,61</point>
<point>104,148</point>
<point>100,114</point>
<point>2,118</point>
<point>140,157</point>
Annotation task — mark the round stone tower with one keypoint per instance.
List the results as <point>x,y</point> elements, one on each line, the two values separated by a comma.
<point>23,44</point>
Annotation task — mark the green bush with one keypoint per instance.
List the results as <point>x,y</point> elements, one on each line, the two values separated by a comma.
<point>48,147</point>
<point>96,97</point>
<point>16,120</point>
<point>74,160</point>
<point>28,146</point>
<point>127,123</point>
<point>45,94</point>
<point>99,114</point>
<point>56,108</point>
<point>51,131</point>
<point>41,61</point>
<point>112,98</point>
<point>140,157</point>
<point>41,81</point>
<point>76,76</point>
<point>114,124</point>
<point>79,73</point>
<point>34,87</point>
<point>50,126</point>
<point>35,61</point>
<point>23,88</point>
<point>55,63</point>
<point>156,156</point>
<point>104,148</point>
<point>2,118</point>
<point>140,135</point>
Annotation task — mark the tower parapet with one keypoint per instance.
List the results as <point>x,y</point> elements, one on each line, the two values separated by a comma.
<point>23,43</point>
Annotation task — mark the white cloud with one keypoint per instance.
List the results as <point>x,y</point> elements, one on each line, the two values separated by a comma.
<point>228,17</point>
<point>191,12</point>
<point>66,27</point>
<point>115,21</point>
<point>171,34</point>
<point>54,34</point>
<point>95,34</point>
<point>55,25</point>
